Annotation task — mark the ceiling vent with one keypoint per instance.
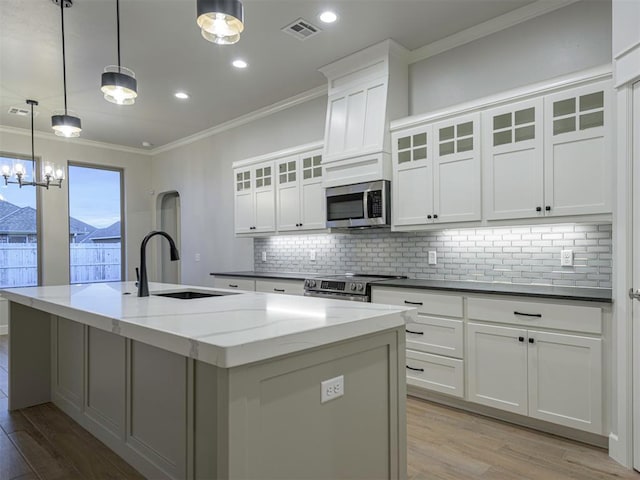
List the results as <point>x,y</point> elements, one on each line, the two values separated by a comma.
<point>22,112</point>
<point>301,29</point>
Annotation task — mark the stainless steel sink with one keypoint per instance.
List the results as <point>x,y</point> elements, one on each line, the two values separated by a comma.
<point>191,294</point>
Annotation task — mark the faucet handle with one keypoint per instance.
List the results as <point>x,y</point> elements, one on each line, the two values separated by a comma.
<point>137,276</point>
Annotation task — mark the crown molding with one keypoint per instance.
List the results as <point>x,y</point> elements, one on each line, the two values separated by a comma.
<point>244,119</point>
<point>75,141</point>
<point>307,147</point>
<point>489,27</point>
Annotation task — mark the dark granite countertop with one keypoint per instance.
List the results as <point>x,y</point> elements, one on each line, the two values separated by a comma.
<point>603,295</point>
<point>541,291</point>
<point>275,275</point>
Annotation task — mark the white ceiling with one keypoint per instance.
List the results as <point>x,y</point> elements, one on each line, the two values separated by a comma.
<point>161,43</point>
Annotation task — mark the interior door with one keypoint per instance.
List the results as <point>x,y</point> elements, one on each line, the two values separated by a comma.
<point>636,274</point>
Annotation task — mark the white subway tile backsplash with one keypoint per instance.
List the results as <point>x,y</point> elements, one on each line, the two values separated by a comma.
<point>523,254</point>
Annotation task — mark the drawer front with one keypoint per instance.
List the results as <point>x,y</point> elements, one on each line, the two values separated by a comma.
<point>426,302</point>
<point>441,336</point>
<point>289,287</point>
<point>536,315</point>
<point>433,372</point>
<point>235,283</point>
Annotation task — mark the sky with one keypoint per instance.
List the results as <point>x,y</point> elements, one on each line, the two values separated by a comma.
<point>94,194</point>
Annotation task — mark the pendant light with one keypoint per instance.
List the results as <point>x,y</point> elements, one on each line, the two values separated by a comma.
<point>119,84</point>
<point>220,21</point>
<point>65,125</point>
<point>51,176</point>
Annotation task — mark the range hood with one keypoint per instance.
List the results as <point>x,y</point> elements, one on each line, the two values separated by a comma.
<point>367,90</point>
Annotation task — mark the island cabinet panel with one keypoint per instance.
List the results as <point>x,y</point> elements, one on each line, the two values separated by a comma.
<point>283,430</point>
<point>158,418</point>
<point>106,377</point>
<point>69,372</point>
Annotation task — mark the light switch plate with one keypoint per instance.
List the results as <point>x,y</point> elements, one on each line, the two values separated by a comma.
<point>331,389</point>
<point>566,258</point>
<point>433,257</point>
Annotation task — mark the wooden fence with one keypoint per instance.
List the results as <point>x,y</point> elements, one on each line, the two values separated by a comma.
<point>91,262</point>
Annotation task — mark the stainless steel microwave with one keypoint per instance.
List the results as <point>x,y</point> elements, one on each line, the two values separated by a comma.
<point>359,205</point>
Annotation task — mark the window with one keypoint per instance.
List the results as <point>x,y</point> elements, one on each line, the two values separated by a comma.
<point>95,224</point>
<point>18,229</point>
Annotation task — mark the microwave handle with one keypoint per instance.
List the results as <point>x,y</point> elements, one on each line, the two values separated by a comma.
<point>366,204</point>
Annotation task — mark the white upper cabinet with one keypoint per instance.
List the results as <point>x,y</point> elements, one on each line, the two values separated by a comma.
<point>513,160</point>
<point>578,159</point>
<point>412,176</point>
<point>456,172</point>
<point>301,203</point>
<point>254,199</point>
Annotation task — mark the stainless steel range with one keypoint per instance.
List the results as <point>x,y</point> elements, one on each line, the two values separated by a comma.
<point>354,287</point>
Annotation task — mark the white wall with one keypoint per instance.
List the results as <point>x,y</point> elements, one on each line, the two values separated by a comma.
<point>567,40</point>
<point>54,202</point>
<point>201,173</point>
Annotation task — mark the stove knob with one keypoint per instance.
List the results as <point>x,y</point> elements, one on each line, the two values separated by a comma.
<point>353,286</point>
<point>360,287</point>
<point>311,283</point>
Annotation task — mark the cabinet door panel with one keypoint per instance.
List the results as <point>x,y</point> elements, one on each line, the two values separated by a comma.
<point>69,374</point>
<point>513,160</point>
<point>442,336</point>
<point>355,120</point>
<point>578,155</point>
<point>336,123</point>
<point>244,213</point>
<point>313,206</point>
<point>433,372</point>
<point>265,211</point>
<point>288,207</point>
<point>413,195</point>
<point>565,380</point>
<point>497,367</point>
<point>376,109</point>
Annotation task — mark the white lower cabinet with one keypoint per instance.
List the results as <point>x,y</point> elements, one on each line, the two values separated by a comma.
<point>434,341</point>
<point>235,283</point>
<point>289,287</point>
<point>551,376</point>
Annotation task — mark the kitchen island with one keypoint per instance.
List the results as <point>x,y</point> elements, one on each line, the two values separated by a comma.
<point>228,386</point>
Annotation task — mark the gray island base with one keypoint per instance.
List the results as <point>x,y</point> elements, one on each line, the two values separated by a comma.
<point>188,388</point>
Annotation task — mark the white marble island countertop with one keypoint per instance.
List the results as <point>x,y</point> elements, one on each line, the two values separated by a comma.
<point>225,331</point>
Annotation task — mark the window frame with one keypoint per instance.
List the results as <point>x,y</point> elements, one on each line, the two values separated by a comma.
<point>120,170</point>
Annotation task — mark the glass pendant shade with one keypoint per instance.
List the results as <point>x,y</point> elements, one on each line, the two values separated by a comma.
<point>66,125</point>
<point>119,85</point>
<point>220,21</point>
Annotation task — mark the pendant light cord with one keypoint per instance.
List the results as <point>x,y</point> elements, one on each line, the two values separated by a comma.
<point>64,68</point>
<point>118,31</point>
<point>33,156</point>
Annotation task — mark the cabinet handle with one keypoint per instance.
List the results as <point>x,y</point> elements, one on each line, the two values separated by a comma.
<point>279,290</point>
<point>537,315</point>
<point>233,286</point>
<point>435,215</point>
<point>415,369</point>
<point>548,208</point>
<point>415,333</point>
<point>531,340</point>
<point>429,217</point>
<point>412,303</point>
<point>538,209</point>
<point>521,339</point>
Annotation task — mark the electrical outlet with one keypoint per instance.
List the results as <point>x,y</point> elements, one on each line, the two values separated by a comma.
<point>433,257</point>
<point>264,256</point>
<point>566,258</point>
<point>332,389</point>
<point>312,255</point>
<point>197,257</point>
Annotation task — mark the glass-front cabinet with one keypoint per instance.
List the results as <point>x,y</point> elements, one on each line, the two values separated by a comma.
<point>254,199</point>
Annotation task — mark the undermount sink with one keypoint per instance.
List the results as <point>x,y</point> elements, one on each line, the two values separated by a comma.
<point>190,294</point>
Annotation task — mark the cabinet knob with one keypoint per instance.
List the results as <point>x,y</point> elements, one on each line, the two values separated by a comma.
<point>531,340</point>
<point>435,215</point>
<point>548,208</point>
<point>538,209</point>
<point>429,217</point>
<point>521,339</point>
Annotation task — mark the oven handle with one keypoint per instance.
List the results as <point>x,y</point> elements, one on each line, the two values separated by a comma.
<point>332,296</point>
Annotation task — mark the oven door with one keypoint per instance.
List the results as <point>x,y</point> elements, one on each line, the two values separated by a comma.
<point>337,296</point>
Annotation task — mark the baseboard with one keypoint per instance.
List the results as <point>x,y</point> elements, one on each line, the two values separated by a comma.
<point>619,451</point>
<point>4,329</point>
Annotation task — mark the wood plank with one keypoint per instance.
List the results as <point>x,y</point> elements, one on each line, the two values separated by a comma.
<point>12,464</point>
<point>11,421</point>
<point>85,452</point>
<point>43,457</point>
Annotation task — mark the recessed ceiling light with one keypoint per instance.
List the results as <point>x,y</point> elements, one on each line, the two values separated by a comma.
<point>328,17</point>
<point>240,64</point>
<point>182,95</point>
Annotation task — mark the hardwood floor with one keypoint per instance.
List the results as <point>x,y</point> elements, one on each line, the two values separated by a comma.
<point>43,443</point>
